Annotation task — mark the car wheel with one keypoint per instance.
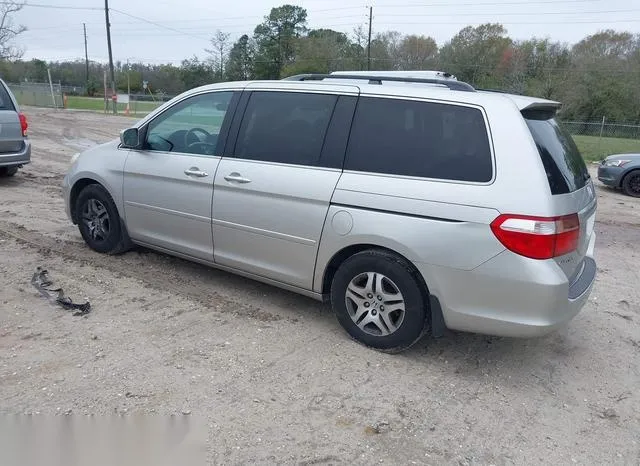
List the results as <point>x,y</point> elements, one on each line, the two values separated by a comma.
<point>99,221</point>
<point>8,171</point>
<point>631,183</point>
<point>379,300</point>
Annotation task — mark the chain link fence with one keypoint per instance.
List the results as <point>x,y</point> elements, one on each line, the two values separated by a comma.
<point>37,94</point>
<point>598,139</point>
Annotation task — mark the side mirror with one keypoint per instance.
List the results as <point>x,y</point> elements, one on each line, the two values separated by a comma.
<point>130,138</point>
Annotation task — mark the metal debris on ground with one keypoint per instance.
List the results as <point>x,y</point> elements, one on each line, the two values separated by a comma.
<point>40,280</point>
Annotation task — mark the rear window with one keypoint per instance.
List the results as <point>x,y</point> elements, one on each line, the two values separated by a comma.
<point>423,139</point>
<point>565,167</point>
<point>5,100</point>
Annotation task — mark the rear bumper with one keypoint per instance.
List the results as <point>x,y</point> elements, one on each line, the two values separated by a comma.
<point>510,295</point>
<point>610,176</point>
<point>17,158</point>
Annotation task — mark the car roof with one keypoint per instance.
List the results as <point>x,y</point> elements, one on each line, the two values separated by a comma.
<point>390,89</point>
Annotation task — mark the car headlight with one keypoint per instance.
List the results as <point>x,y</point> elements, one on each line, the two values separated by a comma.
<point>75,157</point>
<point>616,163</point>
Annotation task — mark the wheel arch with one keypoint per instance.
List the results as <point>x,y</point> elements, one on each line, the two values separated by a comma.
<point>77,188</point>
<point>434,315</point>
<point>627,173</point>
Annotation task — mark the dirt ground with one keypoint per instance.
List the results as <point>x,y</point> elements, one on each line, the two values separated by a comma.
<point>272,373</point>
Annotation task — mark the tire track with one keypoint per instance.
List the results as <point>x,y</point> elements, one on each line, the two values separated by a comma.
<point>158,276</point>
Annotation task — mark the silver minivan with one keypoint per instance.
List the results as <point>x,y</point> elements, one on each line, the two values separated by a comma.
<point>411,203</point>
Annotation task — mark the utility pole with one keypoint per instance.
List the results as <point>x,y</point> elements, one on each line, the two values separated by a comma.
<point>86,56</point>
<point>113,76</point>
<point>369,41</point>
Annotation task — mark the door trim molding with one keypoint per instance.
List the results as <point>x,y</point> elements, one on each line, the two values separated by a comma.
<point>162,210</point>
<point>260,231</point>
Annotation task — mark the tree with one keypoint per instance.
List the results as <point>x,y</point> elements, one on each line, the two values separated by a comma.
<point>219,44</point>
<point>323,51</point>
<point>240,61</point>
<point>604,77</point>
<point>276,40</point>
<point>384,51</point>
<point>9,31</point>
<point>475,53</point>
<point>417,53</point>
<point>194,73</point>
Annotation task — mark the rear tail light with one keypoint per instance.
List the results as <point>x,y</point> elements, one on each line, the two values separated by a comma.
<point>23,124</point>
<point>538,237</point>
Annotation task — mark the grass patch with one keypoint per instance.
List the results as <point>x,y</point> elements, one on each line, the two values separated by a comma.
<point>594,149</point>
<point>96,104</point>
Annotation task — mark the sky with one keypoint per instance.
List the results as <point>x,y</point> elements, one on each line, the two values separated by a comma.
<point>183,28</point>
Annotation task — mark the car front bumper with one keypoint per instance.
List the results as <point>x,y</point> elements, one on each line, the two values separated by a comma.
<point>17,158</point>
<point>610,176</point>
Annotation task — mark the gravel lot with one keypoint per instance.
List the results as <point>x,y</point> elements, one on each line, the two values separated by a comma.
<point>272,373</point>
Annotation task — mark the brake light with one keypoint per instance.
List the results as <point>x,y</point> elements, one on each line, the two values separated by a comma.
<point>538,237</point>
<point>23,124</point>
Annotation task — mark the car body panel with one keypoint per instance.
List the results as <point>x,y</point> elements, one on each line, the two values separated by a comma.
<point>165,206</point>
<point>103,164</point>
<point>271,225</point>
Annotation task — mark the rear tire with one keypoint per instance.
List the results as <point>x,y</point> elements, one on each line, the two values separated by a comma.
<point>631,183</point>
<point>99,222</point>
<point>8,171</point>
<point>379,300</point>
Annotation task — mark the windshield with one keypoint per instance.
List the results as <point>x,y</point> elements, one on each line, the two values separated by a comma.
<point>565,167</point>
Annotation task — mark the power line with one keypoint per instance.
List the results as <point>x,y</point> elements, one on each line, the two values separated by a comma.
<point>156,24</point>
<point>544,13</point>
<point>54,7</point>
<point>539,2</point>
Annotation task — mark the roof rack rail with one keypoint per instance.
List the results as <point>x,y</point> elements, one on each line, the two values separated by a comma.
<point>374,79</point>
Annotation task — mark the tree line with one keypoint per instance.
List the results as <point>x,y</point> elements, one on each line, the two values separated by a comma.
<point>599,76</point>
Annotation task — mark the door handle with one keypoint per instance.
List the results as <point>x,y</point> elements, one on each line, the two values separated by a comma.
<point>236,178</point>
<point>195,171</point>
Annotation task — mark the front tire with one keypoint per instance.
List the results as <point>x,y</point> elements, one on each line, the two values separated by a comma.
<point>631,183</point>
<point>379,300</point>
<point>99,221</point>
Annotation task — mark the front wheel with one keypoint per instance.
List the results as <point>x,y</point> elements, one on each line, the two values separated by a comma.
<point>631,183</point>
<point>378,299</point>
<point>99,221</point>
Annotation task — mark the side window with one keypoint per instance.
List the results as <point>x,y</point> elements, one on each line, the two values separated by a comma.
<point>191,126</point>
<point>424,139</point>
<point>285,127</point>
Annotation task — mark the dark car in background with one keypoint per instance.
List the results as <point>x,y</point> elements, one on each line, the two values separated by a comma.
<point>621,171</point>
<point>15,148</point>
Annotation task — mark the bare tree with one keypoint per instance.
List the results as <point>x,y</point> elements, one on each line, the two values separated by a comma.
<point>219,43</point>
<point>9,31</point>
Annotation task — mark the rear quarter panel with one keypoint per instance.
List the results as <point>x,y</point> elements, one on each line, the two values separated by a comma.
<point>437,222</point>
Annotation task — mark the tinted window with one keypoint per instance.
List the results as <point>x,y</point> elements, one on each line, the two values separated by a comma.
<point>191,126</point>
<point>5,100</point>
<point>565,167</point>
<point>419,139</point>
<point>285,127</point>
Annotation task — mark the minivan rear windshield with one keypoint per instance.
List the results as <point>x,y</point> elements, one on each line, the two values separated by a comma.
<point>5,100</point>
<point>565,167</point>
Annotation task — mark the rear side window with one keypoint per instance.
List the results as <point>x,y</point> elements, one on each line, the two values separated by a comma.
<point>5,100</point>
<point>424,139</point>
<point>565,167</point>
<point>285,127</point>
